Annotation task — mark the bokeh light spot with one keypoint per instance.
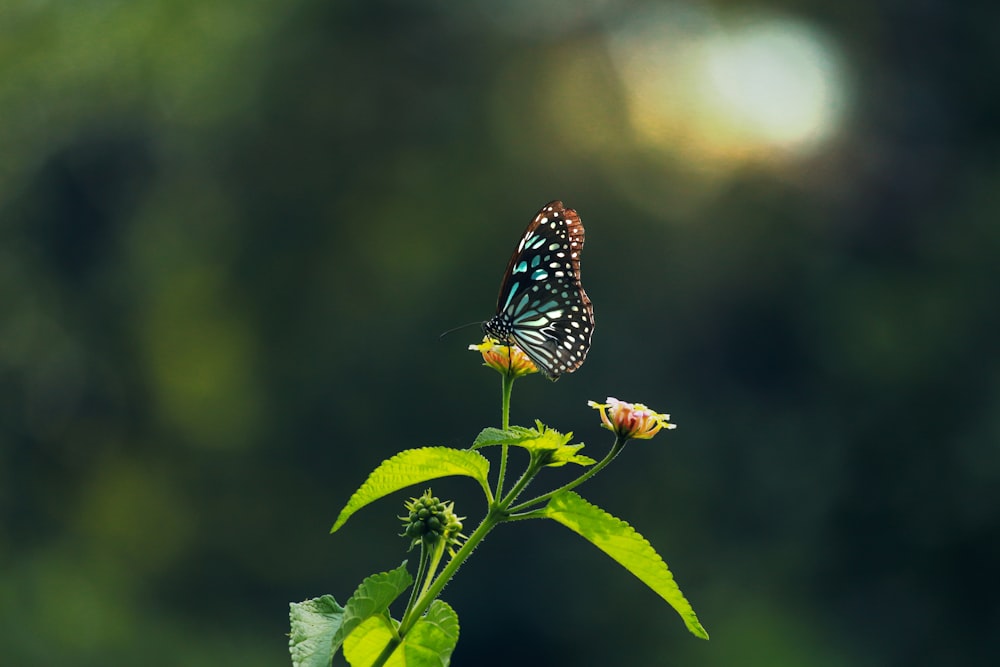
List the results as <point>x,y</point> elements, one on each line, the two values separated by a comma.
<point>777,80</point>
<point>756,89</point>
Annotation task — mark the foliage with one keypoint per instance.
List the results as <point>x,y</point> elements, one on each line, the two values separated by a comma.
<point>427,631</point>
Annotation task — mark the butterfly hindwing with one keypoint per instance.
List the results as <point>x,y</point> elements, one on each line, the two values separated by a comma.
<point>542,306</point>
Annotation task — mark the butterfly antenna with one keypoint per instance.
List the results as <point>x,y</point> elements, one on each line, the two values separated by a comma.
<point>463,326</point>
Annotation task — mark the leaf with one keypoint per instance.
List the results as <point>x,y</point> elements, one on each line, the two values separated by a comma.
<point>314,623</point>
<point>567,454</point>
<point>626,546</point>
<point>429,643</point>
<point>496,436</point>
<point>367,642</point>
<point>432,639</point>
<point>372,599</point>
<point>548,445</point>
<point>414,466</point>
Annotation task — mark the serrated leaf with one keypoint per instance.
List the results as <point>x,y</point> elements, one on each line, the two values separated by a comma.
<point>568,454</point>
<point>581,460</point>
<point>549,445</point>
<point>429,643</point>
<point>491,436</point>
<point>371,599</point>
<point>415,466</point>
<point>314,623</point>
<point>626,546</point>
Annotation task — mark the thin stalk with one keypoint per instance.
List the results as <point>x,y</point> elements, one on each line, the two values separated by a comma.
<point>533,514</point>
<point>383,657</point>
<point>507,386</point>
<point>596,468</point>
<point>491,519</point>
<point>520,485</point>
<point>421,576</point>
<point>435,560</point>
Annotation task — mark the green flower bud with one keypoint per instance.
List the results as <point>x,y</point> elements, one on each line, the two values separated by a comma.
<point>428,520</point>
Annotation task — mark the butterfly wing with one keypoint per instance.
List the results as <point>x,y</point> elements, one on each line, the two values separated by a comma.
<point>542,306</point>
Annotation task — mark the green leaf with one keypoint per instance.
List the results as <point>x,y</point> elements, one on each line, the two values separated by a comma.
<point>372,599</point>
<point>567,454</point>
<point>429,643</point>
<point>314,624</point>
<point>547,444</point>
<point>414,466</point>
<point>630,549</point>
<point>432,639</point>
<point>367,642</point>
<point>496,436</point>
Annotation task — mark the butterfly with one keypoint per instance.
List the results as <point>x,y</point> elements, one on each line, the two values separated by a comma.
<point>542,306</point>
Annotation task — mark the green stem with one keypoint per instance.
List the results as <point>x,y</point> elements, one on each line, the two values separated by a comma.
<point>383,657</point>
<point>435,561</point>
<point>498,512</point>
<point>521,484</point>
<point>507,386</point>
<point>495,515</point>
<point>596,468</point>
<point>533,514</point>
<point>492,518</point>
<point>421,575</point>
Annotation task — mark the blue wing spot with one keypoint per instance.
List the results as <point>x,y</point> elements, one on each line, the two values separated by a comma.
<point>520,306</point>
<point>539,275</point>
<point>510,295</point>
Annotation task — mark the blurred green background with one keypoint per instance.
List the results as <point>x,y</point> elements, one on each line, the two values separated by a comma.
<point>232,230</point>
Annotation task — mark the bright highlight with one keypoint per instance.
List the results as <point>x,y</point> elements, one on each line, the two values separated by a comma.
<point>761,89</point>
<point>777,82</point>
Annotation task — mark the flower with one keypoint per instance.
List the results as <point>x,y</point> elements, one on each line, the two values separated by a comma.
<point>631,420</point>
<point>505,359</point>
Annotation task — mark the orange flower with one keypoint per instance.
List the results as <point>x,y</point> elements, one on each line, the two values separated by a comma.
<point>631,420</point>
<point>505,359</point>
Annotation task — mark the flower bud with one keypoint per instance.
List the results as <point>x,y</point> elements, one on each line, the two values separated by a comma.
<point>429,520</point>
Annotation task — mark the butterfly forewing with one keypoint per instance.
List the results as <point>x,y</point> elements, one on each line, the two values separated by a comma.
<point>542,306</point>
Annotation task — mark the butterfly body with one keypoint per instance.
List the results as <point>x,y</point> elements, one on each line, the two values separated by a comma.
<point>542,307</point>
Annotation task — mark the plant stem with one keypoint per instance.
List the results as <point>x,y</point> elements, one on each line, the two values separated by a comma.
<point>383,657</point>
<point>520,484</point>
<point>435,560</point>
<point>533,514</point>
<point>507,386</point>
<point>596,468</point>
<point>492,518</point>
<point>421,574</point>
